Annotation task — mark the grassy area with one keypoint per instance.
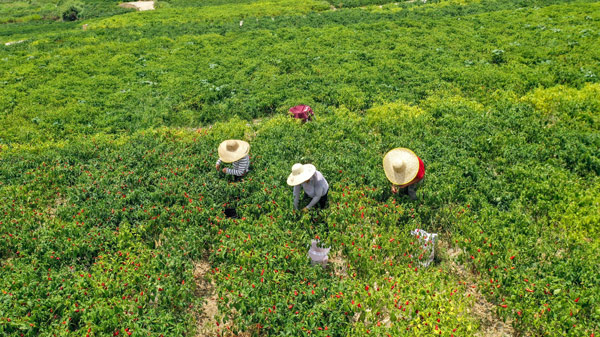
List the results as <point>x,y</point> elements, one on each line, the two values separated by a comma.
<point>109,197</point>
<point>18,11</point>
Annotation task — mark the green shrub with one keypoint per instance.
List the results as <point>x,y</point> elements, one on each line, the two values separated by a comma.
<point>70,14</point>
<point>498,56</point>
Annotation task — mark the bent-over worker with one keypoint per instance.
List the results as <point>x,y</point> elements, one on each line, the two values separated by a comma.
<point>404,170</point>
<point>312,181</point>
<point>236,152</point>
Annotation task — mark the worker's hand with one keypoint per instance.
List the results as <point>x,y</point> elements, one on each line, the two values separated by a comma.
<point>218,167</point>
<point>224,170</point>
<point>394,189</point>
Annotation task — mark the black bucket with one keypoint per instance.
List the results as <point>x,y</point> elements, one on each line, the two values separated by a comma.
<point>231,213</point>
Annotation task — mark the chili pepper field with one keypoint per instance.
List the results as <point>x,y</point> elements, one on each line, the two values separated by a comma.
<point>112,215</point>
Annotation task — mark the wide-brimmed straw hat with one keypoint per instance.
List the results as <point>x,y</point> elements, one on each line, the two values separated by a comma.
<point>301,173</point>
<point>401,165</point>
<point>233,150</point>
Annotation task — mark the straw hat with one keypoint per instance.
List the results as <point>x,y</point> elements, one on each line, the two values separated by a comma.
<point>301,173</point>
<point>401,165</point>
<point>232,150</point>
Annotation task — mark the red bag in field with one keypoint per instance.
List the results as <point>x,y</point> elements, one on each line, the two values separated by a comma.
<point>303,112</point>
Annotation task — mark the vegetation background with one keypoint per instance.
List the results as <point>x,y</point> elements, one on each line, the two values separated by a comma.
<point>111,212</point>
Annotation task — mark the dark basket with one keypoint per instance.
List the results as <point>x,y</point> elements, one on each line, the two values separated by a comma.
<point>231,213</point>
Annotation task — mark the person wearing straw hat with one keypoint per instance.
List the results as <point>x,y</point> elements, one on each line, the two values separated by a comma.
<point>234,151</point>
<point>314,184</point>
<point>404,170</point>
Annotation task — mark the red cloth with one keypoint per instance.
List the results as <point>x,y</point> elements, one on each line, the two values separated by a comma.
<point>420,174</point>
<point>303,112</point>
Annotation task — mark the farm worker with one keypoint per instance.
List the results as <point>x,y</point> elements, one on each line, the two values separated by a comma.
<point>404,170</point>
<point>236,152</point>
<point>313,183</point>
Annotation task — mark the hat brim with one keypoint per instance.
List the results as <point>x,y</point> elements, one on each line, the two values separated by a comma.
<point>409,173</point>
<point>228,156</point>
<point>307,172</point>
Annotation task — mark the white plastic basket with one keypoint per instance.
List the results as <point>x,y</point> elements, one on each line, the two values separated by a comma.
<point>318,255</point>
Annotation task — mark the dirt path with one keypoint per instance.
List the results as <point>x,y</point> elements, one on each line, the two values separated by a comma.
<point>139,5</point>
<point>205,319</point>
<point>338,265</point>
<point>491,324</point>
<point>14,42</point>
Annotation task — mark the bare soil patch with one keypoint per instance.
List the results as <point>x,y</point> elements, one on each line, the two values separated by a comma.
<point>139,5</point>
<point>483,310</point>
<point>14,42</point>
<point>205,319</point>
<point>338,265</point>
<point>58,202</point>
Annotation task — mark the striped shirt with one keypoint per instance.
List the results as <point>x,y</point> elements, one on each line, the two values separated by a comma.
<point>240,167</point>
<point>315,188</point>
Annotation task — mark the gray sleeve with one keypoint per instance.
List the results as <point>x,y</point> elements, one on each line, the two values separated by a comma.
<point>296,196</point>
<point>314,201</point>
<point>320,190</point>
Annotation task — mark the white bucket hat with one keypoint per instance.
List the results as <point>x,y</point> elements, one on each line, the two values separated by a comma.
<point>301,173</point>
<point>232,150</point>
<point>401,165</point>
